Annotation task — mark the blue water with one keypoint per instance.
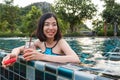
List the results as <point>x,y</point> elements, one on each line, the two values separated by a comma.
<point>8,44</point>
<point>93,52</point>
<point>85,47</point>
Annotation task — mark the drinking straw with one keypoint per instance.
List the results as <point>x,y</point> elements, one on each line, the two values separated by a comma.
<point>31,38</point>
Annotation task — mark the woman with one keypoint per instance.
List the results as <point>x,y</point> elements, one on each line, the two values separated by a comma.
<point>54,48</point>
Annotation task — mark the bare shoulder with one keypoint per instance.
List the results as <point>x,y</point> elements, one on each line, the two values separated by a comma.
<point>65,47</point>
<point>62,42</point>
<point>37,42</point>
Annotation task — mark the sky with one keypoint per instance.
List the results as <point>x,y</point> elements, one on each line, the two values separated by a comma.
<point>100,9</point>
<point>23,3</point>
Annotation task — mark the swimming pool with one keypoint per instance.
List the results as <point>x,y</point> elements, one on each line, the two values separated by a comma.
<point>92,51</point>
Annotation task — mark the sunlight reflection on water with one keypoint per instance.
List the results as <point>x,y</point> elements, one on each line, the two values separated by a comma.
<point>97,47</point>
<point>92,46</point>
<point>91,51</point>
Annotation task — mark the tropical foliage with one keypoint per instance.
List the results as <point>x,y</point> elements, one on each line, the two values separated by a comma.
<point>74,11</point>
<point>22,21</point>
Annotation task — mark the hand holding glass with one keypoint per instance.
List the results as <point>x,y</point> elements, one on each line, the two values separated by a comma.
<point>29,44</point>
<point>28,48</point>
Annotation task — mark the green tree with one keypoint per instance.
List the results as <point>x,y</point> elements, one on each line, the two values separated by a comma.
<point>74,11</point>
<point>3,26</point>
<point>98,26</point>
<point>63,25</point>
<point>30,20</point>
<point>10,15</point>
<point>111,13</point>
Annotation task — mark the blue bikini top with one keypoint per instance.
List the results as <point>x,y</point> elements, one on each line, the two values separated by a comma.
<point>49,51</point>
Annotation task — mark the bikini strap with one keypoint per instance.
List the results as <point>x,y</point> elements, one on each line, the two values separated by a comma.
<point>55,44</point>
<point>45,44</point>
<point>51,47</point>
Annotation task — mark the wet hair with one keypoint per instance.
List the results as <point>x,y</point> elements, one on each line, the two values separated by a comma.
<point>39,32</point>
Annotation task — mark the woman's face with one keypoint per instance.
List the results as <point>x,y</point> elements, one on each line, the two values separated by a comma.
<point>50,27</point>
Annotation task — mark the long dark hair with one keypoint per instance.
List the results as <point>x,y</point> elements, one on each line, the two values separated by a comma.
<point>39,32</point>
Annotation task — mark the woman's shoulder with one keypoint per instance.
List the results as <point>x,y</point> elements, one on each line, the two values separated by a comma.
<point>37,42</point>
<point>62,41</point>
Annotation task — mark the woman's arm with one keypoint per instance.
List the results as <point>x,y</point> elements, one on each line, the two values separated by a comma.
<point>60,59</point>
<point>13,55</point>
<point>70,55</point>
<point>18,50</point>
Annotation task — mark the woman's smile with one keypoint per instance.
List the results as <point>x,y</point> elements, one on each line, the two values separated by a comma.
<point>50,27</point>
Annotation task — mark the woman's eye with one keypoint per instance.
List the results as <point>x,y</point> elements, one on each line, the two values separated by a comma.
<point>50,24</point>
<point>46,24</point>
<point>54,24</point>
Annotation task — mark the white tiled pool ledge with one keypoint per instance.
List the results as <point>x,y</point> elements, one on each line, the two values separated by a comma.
<point>40,70</point>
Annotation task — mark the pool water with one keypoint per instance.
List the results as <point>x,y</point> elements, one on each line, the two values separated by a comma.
<point>94,52</point>
<point>8,44</point>
<point>99,54</point>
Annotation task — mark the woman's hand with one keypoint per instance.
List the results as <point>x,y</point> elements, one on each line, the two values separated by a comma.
<point>9,56</point>
<point>32,54</point>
